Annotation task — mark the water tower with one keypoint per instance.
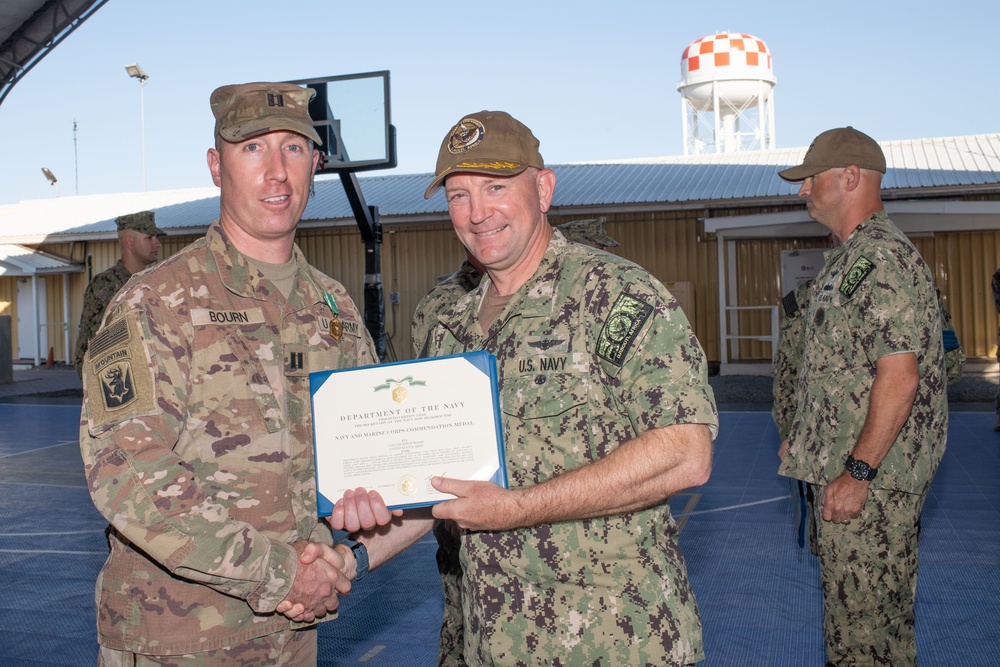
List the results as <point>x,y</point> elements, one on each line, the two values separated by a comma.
<point>727,88</point>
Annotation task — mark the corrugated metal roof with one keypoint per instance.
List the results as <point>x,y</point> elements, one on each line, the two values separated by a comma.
<point>31,221</point>
<point>911,163</point>
<point>947,162</point>
<point>17,261</point>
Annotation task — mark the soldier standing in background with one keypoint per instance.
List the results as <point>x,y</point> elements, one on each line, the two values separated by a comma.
<point>787,363</point>
<point>871,419</point>
<point>140,245</point>
<point>995,288</point>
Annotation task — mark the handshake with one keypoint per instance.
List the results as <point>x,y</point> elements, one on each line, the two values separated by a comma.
<point>323,573</point>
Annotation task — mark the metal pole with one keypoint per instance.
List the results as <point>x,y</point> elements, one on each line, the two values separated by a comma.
<point>142,125</point>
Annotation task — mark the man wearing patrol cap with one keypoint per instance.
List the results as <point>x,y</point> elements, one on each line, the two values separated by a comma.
<point>608,412</point>
<point>138,237</point>
<point>871,416</point>
<point>590,232</point>
<point>196,429</point>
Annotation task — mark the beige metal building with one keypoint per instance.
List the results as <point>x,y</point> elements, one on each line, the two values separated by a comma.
<point>712,228</point>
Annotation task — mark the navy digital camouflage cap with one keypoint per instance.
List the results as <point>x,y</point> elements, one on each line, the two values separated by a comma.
<point>144,222</point>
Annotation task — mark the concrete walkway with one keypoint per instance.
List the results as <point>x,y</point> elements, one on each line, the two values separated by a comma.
<point>53,381</point>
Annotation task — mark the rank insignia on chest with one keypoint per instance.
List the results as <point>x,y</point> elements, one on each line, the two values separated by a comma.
<point>855,275</point>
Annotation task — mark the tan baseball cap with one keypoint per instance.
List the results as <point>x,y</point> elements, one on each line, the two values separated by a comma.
<point>489,142</point>
<point>247,110</point>
<point>143,222</point>
<point>841,147</point>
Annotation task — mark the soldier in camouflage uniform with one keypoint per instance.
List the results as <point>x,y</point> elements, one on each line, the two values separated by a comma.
<point>995,289</point>
<point>787,362</point>
<point>444,295</point>
<point>588,232</point>
<point>196,428</point>
<point>140,245</point>
<point>954,355</point>
<point>872,414</point>
<point>607,412</point>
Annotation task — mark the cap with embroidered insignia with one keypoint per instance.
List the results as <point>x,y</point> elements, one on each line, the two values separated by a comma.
<point>247,110</point>
<point>489,142</point>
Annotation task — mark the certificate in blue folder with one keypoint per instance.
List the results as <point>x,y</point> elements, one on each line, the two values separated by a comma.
<point>392,427</point>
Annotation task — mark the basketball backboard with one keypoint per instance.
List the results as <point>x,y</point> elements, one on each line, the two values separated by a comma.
<point>352,115</point>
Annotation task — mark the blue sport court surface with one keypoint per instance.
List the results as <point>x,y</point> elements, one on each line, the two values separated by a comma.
<point>758,591</point>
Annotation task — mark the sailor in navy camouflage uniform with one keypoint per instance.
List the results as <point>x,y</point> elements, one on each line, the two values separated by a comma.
<point>607,413</point>
<point>871,419</point>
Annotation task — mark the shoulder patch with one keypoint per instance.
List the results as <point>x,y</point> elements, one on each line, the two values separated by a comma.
<point>855,275</point>
<point>790,304</point>
<point>621,328</point>
<point>119,379</point>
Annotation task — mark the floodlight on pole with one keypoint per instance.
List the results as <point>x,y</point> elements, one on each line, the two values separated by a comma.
<point>52,178</point>
<point>137,72</point>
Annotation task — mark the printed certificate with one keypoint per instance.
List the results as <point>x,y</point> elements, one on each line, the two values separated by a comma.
<point>393,426</point>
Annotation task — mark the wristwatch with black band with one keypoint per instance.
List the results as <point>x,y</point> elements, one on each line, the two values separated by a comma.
<point>360,552</point>
<point>859,469</point>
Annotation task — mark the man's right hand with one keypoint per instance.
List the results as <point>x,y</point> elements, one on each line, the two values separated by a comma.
<point>319,579</point>
<point>361,510</point>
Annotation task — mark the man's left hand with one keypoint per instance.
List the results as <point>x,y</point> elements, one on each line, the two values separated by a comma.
<point>844,499</point>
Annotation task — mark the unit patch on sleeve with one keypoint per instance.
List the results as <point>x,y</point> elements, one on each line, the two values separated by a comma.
<point>855,275</point>
<point>119,379</point>
<point>621,328</point>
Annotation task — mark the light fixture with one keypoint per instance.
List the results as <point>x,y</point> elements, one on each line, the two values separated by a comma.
<point>52,178</point>
<point>136,72</point>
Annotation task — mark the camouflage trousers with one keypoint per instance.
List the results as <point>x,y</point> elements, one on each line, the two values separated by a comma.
<point>869,571</point>
<point>452,649</point>
<point>291,648</point>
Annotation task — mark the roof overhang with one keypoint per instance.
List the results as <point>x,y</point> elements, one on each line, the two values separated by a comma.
<point>911,216</point>
<point>17,261</point>
<point>29,29</point>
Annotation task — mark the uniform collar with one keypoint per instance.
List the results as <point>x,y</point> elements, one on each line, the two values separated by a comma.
<point>535,298</point>
<point>242,279</point>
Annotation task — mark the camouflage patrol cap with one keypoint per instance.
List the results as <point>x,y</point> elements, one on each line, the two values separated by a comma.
<point>590,232</point>
<point>489,142</point>
<point>841,147</point>
<point>247,110</point>
<point>143,222</point>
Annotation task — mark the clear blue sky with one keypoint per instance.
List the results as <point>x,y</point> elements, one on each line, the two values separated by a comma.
<point>594,80</point>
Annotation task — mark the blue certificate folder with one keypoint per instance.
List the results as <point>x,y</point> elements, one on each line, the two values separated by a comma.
<point>391,427</point>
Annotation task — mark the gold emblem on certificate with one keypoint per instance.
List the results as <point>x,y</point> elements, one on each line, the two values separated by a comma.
<point>400,393</point>
<point>407,485</point>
